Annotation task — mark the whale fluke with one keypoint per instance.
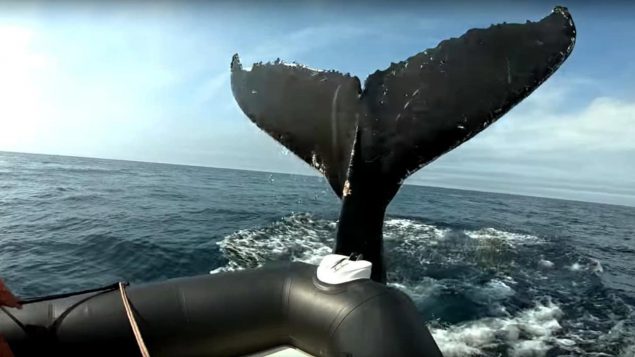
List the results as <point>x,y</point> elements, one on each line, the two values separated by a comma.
<point>366,142</point>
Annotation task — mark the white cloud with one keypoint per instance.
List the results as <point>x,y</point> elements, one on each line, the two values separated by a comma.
<point>605,124</point>
<point>547,146</point>
<point>21,100</point>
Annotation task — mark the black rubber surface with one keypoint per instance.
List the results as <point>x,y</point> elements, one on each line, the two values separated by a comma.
<point>226,314</point>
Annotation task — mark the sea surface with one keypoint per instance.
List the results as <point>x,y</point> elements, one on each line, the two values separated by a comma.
<point>493,274</point>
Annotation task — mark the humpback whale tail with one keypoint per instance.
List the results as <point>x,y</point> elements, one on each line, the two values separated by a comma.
<point>367,141</point>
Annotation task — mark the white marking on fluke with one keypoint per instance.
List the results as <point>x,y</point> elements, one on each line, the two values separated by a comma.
<point>339,269</point>
<point>347,188</point>
<point>318,165</point>
<point>293,64</point>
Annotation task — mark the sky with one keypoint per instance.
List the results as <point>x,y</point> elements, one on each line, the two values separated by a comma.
<point>150,82</point>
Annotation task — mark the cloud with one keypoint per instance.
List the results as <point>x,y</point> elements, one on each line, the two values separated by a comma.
<point>549,146</point>
<point>596,141</point>
<point>605,124</point>
<point>21,104</point>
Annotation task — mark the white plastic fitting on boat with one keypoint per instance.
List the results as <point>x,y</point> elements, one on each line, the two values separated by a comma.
<point>339,269</point>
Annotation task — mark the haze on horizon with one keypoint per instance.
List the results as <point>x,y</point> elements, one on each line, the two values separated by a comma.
<point>150,82</point>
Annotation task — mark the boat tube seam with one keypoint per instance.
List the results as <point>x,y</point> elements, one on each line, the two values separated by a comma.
<point>14,319</point>
<point>286,303</point>
<point>52,327</point>
<point>58,321</point>
<point>339,323</point>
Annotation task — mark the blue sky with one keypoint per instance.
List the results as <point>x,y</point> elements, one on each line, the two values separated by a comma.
<point>150,82</point>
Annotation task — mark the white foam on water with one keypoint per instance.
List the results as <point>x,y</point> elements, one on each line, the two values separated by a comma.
<point>509,238</point>
<point>543,263</point>
<point>528,333</point>
<point>497,290</point>
<point>398,228</point>
<point>301,237</point>
<point>424,288</point>
<point>596,266</point>
<point>412,235</point>
<point>592,265</point>
<point>411,224</point>
<point>531,348</point>
<point>575,266</point>
<point>298,237</point>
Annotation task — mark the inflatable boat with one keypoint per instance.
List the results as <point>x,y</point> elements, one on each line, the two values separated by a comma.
<point>366,142</point>
<point>229,314</point>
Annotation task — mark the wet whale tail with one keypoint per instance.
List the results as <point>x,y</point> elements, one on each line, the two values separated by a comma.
<point>367,141</point>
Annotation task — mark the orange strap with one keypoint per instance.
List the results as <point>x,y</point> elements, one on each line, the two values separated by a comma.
<point>133,322</point>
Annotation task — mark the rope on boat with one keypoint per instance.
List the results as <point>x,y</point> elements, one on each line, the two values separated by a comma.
<point>103,289</point>
<point>133,322</point>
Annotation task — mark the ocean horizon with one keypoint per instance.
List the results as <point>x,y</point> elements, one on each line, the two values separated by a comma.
<point>316,174</point>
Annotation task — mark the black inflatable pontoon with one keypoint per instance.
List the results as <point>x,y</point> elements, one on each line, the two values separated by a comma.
<point>366,142</point>
<point>227,314</point>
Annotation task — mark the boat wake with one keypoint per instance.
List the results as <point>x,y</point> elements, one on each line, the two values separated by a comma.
<point>484,292</point>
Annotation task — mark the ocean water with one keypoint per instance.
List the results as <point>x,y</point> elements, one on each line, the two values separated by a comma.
<point>493,274</point>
